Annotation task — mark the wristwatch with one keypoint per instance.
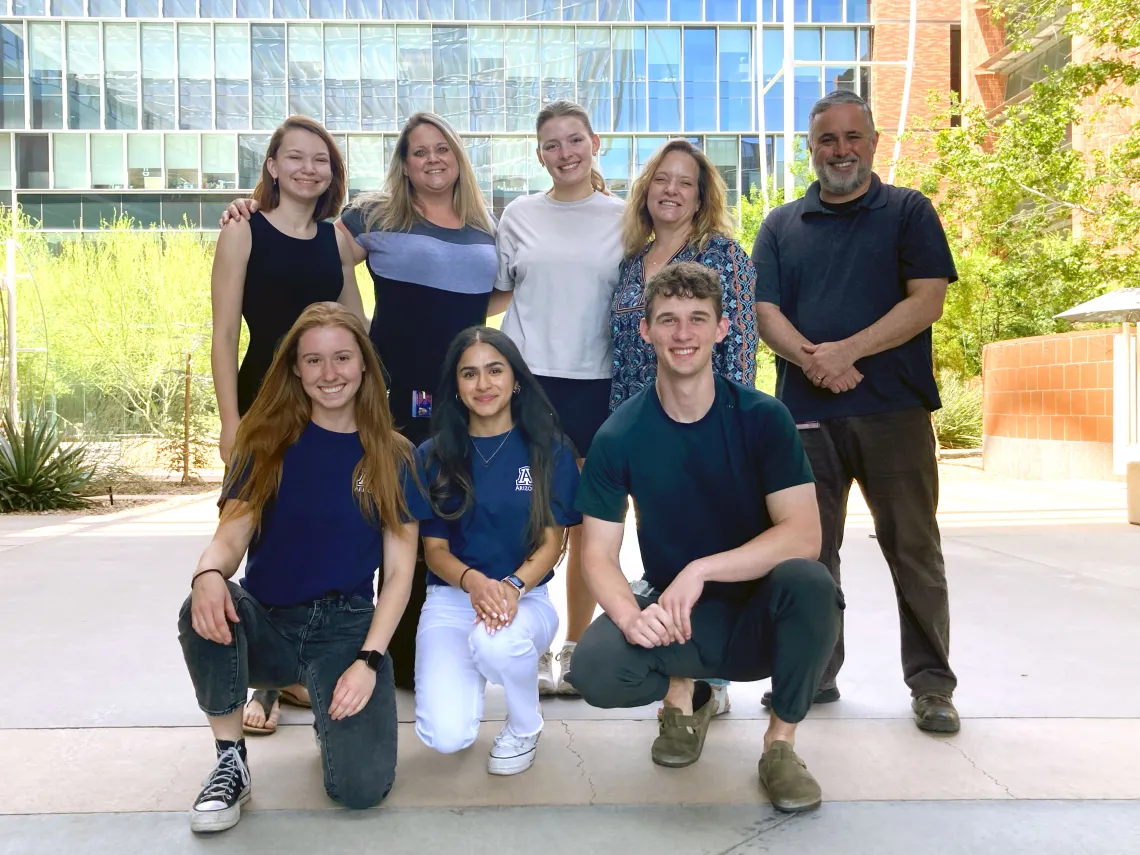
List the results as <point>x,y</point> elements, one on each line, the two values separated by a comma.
<point>372,658</point>
<point>519,584</point>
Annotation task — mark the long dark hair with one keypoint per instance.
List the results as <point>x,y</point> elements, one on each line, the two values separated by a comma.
<point>534,418</point>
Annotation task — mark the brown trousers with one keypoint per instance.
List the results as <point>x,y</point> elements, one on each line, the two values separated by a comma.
<point>892,457</point>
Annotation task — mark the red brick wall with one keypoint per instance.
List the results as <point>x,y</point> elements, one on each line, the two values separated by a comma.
<point>1056,387</point>
<point>981,38</point>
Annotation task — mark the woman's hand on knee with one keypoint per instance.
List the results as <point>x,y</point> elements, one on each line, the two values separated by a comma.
<point>212,608</point>
<point>487,598</point>
<point>352,692</point>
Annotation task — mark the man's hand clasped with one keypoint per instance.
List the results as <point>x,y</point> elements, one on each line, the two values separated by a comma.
<point>668,620</point>
<point>831,365</point>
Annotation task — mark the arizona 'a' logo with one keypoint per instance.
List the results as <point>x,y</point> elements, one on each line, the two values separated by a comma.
<point>523,481</point>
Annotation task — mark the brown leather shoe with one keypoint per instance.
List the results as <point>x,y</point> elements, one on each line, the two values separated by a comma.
<point>785,776</point>
<point>935,713</point>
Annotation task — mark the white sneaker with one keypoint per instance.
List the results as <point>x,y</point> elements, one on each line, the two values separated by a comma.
<point>512,754</point>
<point>225,790</point>
<point>546,686</point>
<point>564,688</point>
<point>721,703</point>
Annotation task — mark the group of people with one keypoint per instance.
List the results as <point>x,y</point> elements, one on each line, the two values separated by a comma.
<point>466,463</point>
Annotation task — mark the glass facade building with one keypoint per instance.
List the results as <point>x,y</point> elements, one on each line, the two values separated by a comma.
<point>163,108</point>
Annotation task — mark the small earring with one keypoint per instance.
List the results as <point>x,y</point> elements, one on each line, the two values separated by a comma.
<point>517,389</point>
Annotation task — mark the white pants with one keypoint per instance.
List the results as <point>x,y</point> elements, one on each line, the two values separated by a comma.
<point>455,658</point>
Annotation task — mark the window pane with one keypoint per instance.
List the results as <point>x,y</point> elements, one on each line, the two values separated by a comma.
<point>181,161</point>
<point>105,8</point>
<point>5,161</point>
<point>179,8</point>
<point>488,88</point>
<point>46,75</point>
<point>507,10</point>
<point>579,10</point>
<point>181,211</point>
<point>413,58</point>
<point>720,10</point>
<point>268,76</point>
<point>32,161</point>
<point>378,78</point>
<point>735,80</point>
<point>865,44</point>
<point>232,74</point>
<point>146,211</point>
<point>722,151</point>
<point>542,10</point>
<point>251,155</point>
<point>774,107</point>
<point>664,79</point>
<point>367,164</point>
<point>364,10</point>
<point>522,77</point>
<point>83,77</point>
<point>616,160</point>
<point>839,43</point>
<point>750,175</point>
<point>594,87</point>
<point>157,76</point>
<point>121,78</point>
<point>451,67</point>
<point>479,153</point>
<point>62,212</point>
<point>827,11</point>
<point>253,8</point>
<point>70,161</point>
<point>512,170</point>
<point>558,71</point>
<point>342,78</point>
<point>12,79</point>
<point>326,9</point>
<point>29,7</point>
<point>801,9</point>
<point>748,10</point>
<point>436,10</point>
<point>144,161</point>
<point>858,11</point>
<point>684,10</point>
<point>809,89</point>
<point>142,8</point>
<point>289,9</point>
<point>700,79</point>
<point>650,10</point>
<point>615,10</point>
<point>194,50</point>
<point>219,162</point>
<point>217,8</point>
<point>400,10</point>
<point>807,44</point>
<point>838,78</point>
<point>67,8</point>
<point>645,149</point>
<point>306,71</point>
<point>108,162</point>
<point>630,97</point>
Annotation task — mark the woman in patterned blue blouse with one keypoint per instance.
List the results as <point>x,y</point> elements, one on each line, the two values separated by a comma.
<point>677,211</point>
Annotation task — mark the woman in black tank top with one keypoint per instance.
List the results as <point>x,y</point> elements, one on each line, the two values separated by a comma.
<point>268,269</point>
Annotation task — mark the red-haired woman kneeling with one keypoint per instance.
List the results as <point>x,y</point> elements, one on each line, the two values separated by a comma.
<point>324,488</point>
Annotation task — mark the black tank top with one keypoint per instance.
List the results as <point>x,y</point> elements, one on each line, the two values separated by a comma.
<point>284,275</point>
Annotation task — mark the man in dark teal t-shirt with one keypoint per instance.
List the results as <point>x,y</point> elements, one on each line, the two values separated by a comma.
<point>729,532</point>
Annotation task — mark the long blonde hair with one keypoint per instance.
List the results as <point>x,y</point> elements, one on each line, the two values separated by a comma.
<point>711,218</point>
<point>282,410</point>
<point>562,109</point>
<point>391,209</point>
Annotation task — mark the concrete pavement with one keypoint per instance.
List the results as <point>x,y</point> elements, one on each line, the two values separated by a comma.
<point>104,747</point>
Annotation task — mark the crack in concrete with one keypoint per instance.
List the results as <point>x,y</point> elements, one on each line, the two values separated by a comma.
<point>581,761</point>
<point>767,826</point>
<point>949,744</point>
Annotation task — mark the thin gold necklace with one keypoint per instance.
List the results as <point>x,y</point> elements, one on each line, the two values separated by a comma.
<point>487,460</point>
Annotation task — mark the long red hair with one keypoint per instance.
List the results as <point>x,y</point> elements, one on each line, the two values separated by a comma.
<point>282,410</point>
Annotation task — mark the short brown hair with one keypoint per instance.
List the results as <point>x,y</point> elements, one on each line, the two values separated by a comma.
<point>684,279</point>
<point>328,203</point>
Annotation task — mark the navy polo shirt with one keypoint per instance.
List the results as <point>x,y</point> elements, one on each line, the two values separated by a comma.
<point>491,536</point>
<point>314,539</point>
<point>834,272</point>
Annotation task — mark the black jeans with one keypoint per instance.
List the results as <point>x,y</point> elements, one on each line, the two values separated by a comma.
<point>892,457</point>
<point>785,630</point>
<point>314,644</point>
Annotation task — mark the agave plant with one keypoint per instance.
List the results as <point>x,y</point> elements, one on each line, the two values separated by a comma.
<point>36,474</point>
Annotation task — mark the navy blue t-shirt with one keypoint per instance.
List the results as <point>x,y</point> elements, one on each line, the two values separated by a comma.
<point>491,536</point>
<point>835,270</point>
<point>314,539</point>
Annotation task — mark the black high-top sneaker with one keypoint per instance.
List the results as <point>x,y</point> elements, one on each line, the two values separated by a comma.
<point>224,791</point>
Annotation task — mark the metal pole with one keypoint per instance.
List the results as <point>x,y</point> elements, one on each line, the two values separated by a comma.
<point>10,287</point>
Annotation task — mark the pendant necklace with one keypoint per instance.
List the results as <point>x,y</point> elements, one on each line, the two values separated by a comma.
<point>487,460</point>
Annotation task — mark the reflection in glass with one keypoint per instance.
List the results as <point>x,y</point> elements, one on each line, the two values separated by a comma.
<point>179,8</point>
<point>650,10</point>
<point>103,8</point>
<point>664,79</point>
<point>801,13</point>
<point>146,211</point>
<point>579,10</point>
<point>615,10</point>
<point>181,211</point>
<point>808,89</point>
<point>32,161</point>
<point>700,79</point>
<point>268,76</point>
<point>399,10</point>
<point>181,161</point>
<point>62,212</point>
<point>67,8</point>
<point>45,74</point>
<point>827,11</point>
<point>838,78</point>
<point>479,153</point>
<point>630,96</point>
<point>367,164</point>
<point>858,11</point>
<point>217,8</point>
<point>142,8</point>
<point>144,161</point>
<point>684,10</point>
<point>289,9</point>
<point>507,10</point>
<point>11,81</point>
<point>543,10</point>
<point>735,80</point>
<point>83,77</point>
<point>306,55</point>
<point>723,151</point>
<point>108,162</point>
<point>195,107</point>
<point>774,107</point>
<point>616,160</point>
<point>251,154</point>
<point>342,78</point>
<point>219,162</point>
<point>839,44</point>
<point>521,58</point>
<point>326,9</point>
<point>558,71</point>
<point>435,10</point>
<point>750,175</point>
<point>512,171</point>
<point>414,72</point>
<point>231,75</point>
<point>253,8</point>
<point>70,161</point>
<point>594,87</point>
<point>807,44</point>
<point>721,10</point>
<point>29,7</point>
<point>865,44</point>
<point>450,65</point>
<point>121,76</point>
<point>645,149</point>
<point>488,87</point>
<point>378,78</point>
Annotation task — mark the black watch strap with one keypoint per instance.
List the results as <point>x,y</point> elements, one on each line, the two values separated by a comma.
<point>372,658</point>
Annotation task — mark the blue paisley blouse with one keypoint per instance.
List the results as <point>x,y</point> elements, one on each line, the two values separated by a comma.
<point>635,364</point>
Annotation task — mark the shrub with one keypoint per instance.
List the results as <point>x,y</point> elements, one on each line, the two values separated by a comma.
<point>36,473</point>
<point>959,423</point>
